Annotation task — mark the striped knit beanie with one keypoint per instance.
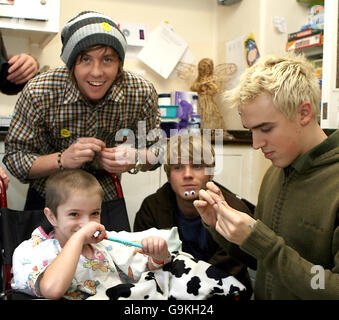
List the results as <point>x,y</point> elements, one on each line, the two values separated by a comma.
<point>89,29</point>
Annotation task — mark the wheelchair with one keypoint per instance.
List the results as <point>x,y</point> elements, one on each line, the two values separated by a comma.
<point>17,226</point>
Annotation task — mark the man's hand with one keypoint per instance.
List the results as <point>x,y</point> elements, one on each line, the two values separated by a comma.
<point>22,68</point>
<point>117,160</point>
<point>232,224</point>
<point>83,150</point>
<point>206,201</point>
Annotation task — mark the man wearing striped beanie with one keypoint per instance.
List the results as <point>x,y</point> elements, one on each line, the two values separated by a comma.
<point>90,35</point>
<point>89,29</point>
<point>72,116</point>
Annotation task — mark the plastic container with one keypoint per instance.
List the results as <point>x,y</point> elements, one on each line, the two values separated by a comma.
<point>168,111</point>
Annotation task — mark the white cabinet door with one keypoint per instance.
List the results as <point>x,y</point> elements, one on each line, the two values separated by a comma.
<point>240,169</point>
<point>136,187</point>
<point>228,171</point>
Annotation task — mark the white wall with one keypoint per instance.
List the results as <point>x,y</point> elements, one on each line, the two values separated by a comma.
<point>256,16</point>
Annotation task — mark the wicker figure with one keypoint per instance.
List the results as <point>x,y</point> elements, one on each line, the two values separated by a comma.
<point>209,82</point>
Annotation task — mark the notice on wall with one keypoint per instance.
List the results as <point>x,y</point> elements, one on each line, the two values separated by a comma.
<point>235,54</point>
<point>163,50</point>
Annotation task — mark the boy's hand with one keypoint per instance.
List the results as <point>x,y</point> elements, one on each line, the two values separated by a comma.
<point>92,232</point>
<point>155,247</point>
<point>233,225</point>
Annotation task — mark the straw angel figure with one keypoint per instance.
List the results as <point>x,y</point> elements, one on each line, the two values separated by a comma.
<point>207,83</point>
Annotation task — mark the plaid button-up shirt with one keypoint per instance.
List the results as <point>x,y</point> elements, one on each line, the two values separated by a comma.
<point>51,114</point>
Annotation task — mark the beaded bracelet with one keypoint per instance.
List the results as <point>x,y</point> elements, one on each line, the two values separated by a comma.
<point>59,161</point>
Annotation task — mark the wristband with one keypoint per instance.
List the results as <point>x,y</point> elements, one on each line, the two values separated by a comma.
<point>59,161</point>
<point>156,263</point>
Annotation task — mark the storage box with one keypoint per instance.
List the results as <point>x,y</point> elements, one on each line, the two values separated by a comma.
<point>303,34</point>
<point>168,111</point>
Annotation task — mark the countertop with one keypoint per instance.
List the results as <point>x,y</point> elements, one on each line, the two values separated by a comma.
<point>243,137</point>
<point>240,138</point>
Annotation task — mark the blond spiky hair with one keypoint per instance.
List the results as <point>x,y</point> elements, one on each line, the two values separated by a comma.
<point>290,80</point>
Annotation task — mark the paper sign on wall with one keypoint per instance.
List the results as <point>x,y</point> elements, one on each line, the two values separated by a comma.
<point>235,54</point>
<point>163,50</point>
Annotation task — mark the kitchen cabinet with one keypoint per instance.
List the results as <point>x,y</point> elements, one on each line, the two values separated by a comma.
<point>37,20</point>
<point>240,169</point>
<point>136,187</point>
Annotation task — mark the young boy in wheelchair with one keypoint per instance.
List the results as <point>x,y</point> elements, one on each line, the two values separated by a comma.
<point>74,261</point>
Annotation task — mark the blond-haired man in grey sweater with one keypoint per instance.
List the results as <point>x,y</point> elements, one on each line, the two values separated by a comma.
<point>294,234</point>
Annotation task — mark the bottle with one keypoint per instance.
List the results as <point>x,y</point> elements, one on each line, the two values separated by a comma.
<point>195,104</point>
<point>194,124</point>
<point>195,118</point>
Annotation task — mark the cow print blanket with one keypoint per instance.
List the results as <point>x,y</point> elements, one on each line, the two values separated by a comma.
<point>184,278</point>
